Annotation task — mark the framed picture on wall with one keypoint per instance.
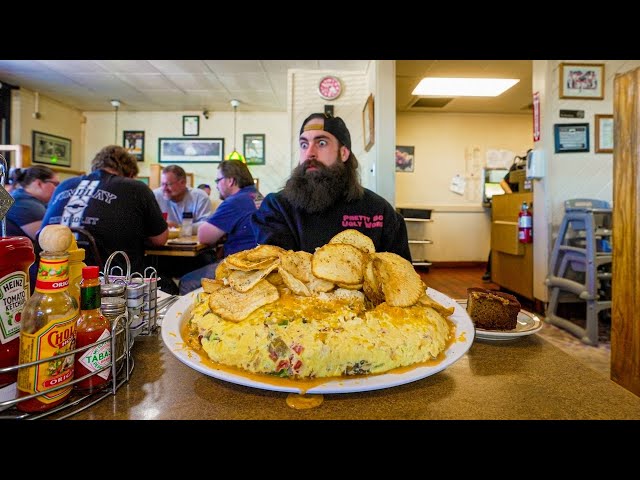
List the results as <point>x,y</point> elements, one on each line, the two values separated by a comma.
<point>571,137</point>
<point>367,124</point>
<point>254,148</point>
<point>190,125</point>
<point>187,150</point>
<point>584,81</point>
<point>133,141</point>
<point>51,149</point>
<point>604,134</point>
<point>404,158</point>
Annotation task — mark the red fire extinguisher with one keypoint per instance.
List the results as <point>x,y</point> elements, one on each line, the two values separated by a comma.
<point>525,224</point>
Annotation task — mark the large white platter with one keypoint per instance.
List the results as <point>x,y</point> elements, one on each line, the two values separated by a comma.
<point>180,311</point>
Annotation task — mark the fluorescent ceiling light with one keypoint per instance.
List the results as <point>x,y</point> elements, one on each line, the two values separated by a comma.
<point>463,87</point>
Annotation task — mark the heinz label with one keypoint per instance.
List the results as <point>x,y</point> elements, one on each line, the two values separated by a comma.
<point>14,293</point>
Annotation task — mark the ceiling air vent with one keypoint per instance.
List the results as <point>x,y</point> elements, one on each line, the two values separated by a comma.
<point>435,102</point>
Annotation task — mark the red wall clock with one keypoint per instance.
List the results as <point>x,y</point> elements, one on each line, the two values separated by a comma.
<point>329,87</point>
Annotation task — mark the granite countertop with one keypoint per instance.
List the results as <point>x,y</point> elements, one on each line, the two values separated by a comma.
<point>527,378</point>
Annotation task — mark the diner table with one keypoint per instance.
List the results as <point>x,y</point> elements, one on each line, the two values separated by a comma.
<point>526,378</point>
<point>179,247</point>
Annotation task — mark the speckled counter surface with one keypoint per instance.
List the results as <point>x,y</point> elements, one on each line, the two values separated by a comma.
<point>528,378</point>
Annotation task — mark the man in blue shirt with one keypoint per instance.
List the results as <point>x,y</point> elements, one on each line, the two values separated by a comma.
<point>231,218</point>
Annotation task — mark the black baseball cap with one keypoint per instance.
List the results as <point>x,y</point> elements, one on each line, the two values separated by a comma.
<point>334,125</point>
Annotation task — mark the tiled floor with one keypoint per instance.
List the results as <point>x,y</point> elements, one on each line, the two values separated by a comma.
<point>454,282</point>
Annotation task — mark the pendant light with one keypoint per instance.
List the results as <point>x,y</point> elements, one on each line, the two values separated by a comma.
<point>235,155</point>
<point>115,104</point>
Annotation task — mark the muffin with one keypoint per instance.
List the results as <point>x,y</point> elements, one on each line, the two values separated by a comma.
<point>492,310</point>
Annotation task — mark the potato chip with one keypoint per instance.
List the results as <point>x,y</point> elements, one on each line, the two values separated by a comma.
<point>318,285</point>
<point>355,238</point>
<point>295,285</point>
<point>297,264</point>
<point>274,278</point>
<point>371,286</point>
<point>243,281</point>
<point>262,252</point>
<point>238,261</point>
<point>427,301</point>
<point>209,285</point>
<point>401,284</point>
<point>235,306</point>
<point>339,263</point>
<point>223,270</point>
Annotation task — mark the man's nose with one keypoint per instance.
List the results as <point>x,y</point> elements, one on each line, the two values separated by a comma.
<point>310,152</point>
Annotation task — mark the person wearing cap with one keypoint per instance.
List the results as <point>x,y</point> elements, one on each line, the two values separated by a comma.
<point>323,196</point>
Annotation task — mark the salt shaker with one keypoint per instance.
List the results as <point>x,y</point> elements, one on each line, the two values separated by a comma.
<point>186,230</point>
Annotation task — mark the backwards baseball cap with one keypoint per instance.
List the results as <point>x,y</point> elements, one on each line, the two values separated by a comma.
<point>334,125</point>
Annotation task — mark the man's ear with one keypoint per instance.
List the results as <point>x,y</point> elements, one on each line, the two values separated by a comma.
<point>344,153</point>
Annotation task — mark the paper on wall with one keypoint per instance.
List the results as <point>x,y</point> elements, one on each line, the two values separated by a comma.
<point>499,158</point>
<point>457,185</point>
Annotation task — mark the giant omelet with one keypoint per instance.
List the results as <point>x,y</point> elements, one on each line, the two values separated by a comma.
<point>298,316</point>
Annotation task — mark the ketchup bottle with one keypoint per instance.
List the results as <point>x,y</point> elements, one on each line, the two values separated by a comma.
<point>16,256</point>
<point>92,327</point>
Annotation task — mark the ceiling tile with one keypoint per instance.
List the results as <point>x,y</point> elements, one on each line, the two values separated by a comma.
<point>232,67</point>
<point>195,81</point>
<point>147,80</point>
<point>169,67</point>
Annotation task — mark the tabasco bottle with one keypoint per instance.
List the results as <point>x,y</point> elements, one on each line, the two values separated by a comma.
<point>92,327</point>
<point>48,326</point>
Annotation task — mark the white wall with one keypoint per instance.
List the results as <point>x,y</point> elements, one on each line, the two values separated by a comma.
<point>55,119</point>
<point>569,175</point>
<point>101,132</point>
<point>461,230</point>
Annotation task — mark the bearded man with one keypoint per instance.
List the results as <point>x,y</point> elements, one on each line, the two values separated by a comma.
<point>324,196</point>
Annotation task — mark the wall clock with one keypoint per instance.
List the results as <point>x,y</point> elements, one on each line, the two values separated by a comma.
<point>329,87</point>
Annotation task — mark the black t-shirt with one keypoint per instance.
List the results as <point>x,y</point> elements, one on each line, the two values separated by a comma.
<point>277,222</point>
<point>119,212</point>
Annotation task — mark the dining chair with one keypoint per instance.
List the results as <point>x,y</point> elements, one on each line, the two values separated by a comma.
<point>85,240</point>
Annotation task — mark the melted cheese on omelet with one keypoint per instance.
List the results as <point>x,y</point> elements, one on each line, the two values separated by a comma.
<point>307,337</point>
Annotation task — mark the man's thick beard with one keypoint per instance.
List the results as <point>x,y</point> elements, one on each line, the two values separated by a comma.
<point>315,191</point>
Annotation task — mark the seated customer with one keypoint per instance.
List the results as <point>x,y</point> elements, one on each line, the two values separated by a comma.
<point>32,190</point>
<point>206,187</point>
<point>235,184</point>
<point>121,213</point>
<point>175,198</point>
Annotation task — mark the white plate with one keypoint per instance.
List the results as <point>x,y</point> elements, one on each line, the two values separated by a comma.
<point>180,311</point>
<point>528,324</point>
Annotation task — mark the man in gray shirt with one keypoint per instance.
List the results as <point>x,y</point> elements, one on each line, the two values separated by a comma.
<point>175,198</point>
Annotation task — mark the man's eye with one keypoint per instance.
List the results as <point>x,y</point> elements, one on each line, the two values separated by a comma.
<point>304,145</point>
<point>322,143</point>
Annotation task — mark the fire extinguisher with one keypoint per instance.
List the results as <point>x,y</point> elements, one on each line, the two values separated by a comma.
<point>525,224</point>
